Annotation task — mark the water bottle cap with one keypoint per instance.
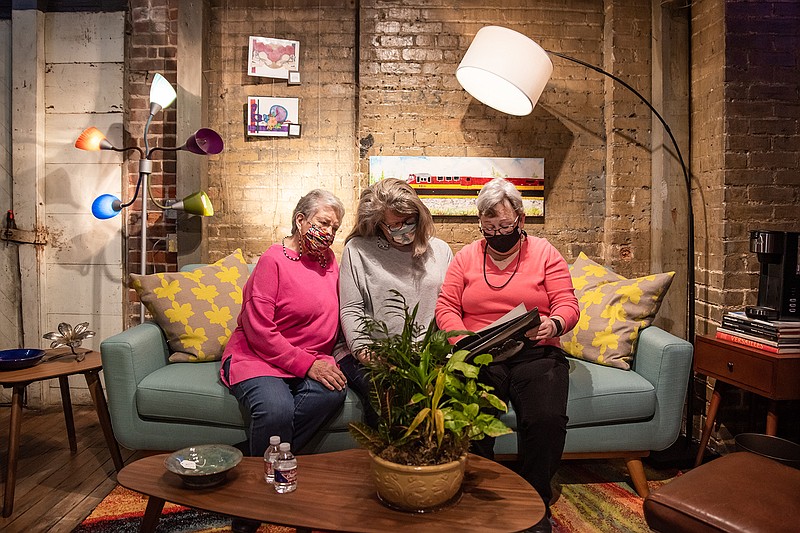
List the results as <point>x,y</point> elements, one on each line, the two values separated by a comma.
<point>274,440</point>
<point>284,447</point>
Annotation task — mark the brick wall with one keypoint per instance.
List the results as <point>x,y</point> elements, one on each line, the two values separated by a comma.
<point>746,141</point>
<point>150,48</point>
<point>256,182</point>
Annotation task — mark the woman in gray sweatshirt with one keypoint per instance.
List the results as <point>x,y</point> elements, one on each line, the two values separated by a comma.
<point>391,247</point>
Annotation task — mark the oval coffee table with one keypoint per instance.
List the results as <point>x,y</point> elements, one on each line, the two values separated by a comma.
<point>335,492</point>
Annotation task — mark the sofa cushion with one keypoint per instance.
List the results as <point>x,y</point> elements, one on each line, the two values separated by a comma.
<point>188,392</point>
<point>197,310</point>
<point>613,312</point>
<point>603,395</point>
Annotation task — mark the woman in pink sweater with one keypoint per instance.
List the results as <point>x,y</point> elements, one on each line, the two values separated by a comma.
<point>278,360</point>
<point>486,280</point>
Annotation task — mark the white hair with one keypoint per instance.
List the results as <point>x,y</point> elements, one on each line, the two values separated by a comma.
<point>494,192</point>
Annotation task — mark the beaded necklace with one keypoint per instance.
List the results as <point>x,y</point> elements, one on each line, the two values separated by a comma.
<point>299,254</point>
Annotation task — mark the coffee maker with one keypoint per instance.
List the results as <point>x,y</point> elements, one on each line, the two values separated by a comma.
<point>779,279</point>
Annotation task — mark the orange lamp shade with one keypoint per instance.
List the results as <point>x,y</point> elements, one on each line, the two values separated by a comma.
<point>93,140</point>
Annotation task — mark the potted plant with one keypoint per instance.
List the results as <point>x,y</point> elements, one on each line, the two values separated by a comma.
<point>430,403</point>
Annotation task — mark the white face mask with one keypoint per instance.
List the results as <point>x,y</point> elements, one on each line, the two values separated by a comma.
<point>404,234</point>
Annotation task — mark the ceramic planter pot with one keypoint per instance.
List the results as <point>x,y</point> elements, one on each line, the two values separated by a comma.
<point>418,489</point>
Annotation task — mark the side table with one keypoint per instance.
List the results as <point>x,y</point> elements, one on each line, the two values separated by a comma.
<point>773,376</point>
<point>60,368</point>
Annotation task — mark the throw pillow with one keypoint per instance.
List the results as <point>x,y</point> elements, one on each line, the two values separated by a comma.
<point>197,310</point>
<point>613,312</point>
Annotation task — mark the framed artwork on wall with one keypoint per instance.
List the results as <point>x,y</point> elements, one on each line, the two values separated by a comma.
<point>448,186</point>
<point>273,58</point>
<point>272,117</point>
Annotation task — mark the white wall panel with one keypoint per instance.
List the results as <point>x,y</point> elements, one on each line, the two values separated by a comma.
<point>81,239</point>
<point>84,37</point>
<point>84,289</point>
<point>71,188</point>
<point>84,88</point>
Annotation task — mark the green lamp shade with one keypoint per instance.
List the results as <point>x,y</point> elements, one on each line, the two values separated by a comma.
<point>195,204</point>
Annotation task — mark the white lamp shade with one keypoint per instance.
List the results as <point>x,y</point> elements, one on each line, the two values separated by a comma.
<point>505,70</point>
<point>162,93</point>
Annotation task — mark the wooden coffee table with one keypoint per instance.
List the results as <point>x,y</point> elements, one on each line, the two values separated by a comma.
<point>60,368</point>
<point>335,492</point>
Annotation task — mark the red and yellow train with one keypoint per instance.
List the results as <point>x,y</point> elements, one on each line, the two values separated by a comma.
<point>430,186</point>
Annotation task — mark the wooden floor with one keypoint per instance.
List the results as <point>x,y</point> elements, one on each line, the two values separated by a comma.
<point>56,490</point>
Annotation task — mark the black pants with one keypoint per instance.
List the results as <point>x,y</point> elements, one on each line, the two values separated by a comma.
<point>536,382</point>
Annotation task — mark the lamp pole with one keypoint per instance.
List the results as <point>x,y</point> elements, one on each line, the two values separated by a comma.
<point>690,276</point>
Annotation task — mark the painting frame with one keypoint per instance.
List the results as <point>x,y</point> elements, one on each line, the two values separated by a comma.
<point>268,57</point>
<point>448,186</point>
<point>270,116</point>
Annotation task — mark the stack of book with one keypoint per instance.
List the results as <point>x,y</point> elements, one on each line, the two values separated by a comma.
<point>772,336</point>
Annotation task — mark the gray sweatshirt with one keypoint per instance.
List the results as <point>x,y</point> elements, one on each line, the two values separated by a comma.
<point>370,268</point>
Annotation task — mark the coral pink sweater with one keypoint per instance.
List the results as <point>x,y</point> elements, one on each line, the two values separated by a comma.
<point>542,280</point>
<point>289,317</point>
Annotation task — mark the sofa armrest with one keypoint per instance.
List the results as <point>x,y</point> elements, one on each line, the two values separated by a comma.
<point>127,358</point>
<point>665,361</point>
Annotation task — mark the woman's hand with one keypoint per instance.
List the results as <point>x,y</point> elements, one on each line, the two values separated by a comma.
<point>546,330</point>
<point>364,355</point>
<point>327,374</point>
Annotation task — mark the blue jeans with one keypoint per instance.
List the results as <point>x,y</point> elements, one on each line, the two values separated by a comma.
<point>292,408</point>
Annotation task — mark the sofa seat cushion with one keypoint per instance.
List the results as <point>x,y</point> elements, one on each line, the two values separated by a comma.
<point>190,392</point>
<point>350,412</point>
<point>603,395</point>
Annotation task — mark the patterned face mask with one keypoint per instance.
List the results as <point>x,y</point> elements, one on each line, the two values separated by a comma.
<point>316,241</point>
<point>404,234</point>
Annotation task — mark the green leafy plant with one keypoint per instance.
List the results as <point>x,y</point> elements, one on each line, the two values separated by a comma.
<point>431,404</point>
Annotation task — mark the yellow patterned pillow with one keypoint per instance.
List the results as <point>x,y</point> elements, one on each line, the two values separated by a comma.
<point>197,310</point>
<point>613,311</point>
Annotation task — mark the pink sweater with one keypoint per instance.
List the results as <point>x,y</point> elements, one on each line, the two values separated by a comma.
<point>289,317</point>
<point>542,280</point>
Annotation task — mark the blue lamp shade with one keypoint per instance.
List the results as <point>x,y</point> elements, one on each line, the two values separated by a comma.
<point>106,206</point>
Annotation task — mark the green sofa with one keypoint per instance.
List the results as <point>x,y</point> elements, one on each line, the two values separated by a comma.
<point>157,405</point>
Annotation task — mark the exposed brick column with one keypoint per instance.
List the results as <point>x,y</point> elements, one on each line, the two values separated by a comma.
<point>150,48</point>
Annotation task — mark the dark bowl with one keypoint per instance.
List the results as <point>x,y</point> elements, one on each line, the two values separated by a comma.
<point>781,450</point>
<point>19,358</point>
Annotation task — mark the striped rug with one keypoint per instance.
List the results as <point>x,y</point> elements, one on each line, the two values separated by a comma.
<point>592,497</point>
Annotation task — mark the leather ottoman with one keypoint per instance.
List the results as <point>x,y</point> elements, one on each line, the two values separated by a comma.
<point>737,492</point>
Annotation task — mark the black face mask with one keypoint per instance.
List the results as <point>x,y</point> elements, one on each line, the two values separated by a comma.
<point>503,243</point>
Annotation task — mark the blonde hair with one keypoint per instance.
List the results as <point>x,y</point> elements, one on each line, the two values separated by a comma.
<point>396,195</point>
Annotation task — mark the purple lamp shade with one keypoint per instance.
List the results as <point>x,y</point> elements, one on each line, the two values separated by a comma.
<point>205,141</point>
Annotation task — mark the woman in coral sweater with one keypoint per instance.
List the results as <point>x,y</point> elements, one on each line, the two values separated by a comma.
<point>486,280</point>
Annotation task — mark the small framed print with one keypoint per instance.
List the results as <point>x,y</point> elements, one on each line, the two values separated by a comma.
<point>294,77</point>
<point>273,58</point>
<point>294,130</point>
<point>272,117</point>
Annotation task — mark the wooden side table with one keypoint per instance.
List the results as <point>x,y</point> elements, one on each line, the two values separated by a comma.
<point>773,376</point>
<point>60,368</point>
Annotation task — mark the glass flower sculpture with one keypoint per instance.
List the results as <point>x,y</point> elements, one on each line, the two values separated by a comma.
<point>69,336</point>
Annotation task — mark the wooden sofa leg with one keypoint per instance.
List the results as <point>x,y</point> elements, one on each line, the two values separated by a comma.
<point>636,471</point>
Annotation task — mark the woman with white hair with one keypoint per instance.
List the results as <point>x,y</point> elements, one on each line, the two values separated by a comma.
<point>487,279</point>
<point>391,248</point>
<point>280,369</point>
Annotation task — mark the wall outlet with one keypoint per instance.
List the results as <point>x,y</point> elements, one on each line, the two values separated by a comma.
<point>172,242</point>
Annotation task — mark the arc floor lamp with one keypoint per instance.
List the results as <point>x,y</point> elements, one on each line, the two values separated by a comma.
<point>512,81</point>
<point>204,141</point>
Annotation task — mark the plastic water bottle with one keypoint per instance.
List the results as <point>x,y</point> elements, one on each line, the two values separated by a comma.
<point>285,468</point>
<point>269,458</point>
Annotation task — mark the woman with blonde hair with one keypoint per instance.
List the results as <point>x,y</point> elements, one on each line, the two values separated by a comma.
<point>391,248</point>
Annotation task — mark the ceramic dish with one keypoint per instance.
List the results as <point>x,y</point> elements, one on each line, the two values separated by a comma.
<point>19,358</point>
<point>205,465</point>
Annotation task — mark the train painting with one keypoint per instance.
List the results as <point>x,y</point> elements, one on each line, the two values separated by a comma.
<point>449,186</point>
